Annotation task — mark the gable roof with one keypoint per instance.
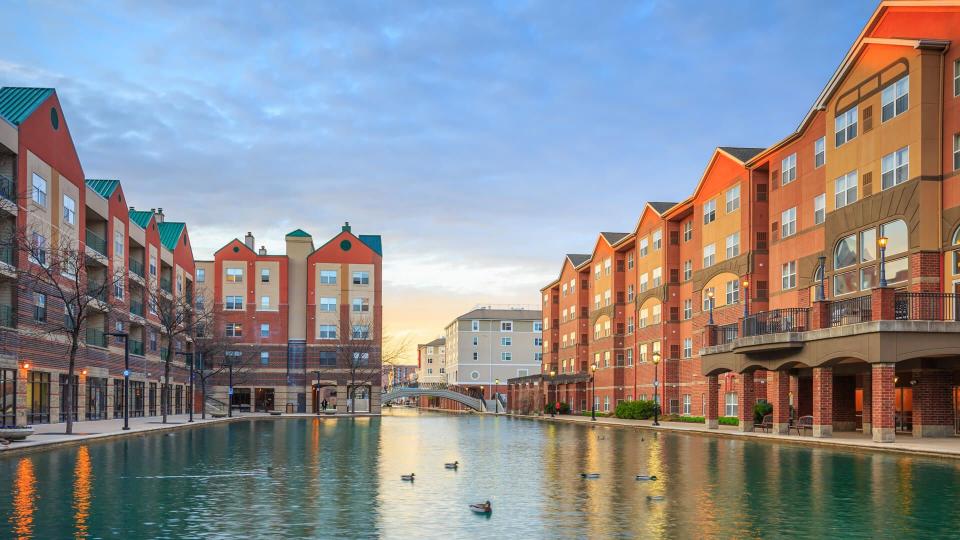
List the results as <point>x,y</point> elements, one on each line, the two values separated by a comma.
<point>299,233</point>
<point>661,207</point>
<point>17,104</point>
<point>436,342</point>
<point>141,217</point>
<point>741,153</point>
<point>373,242</point>
<point>103,186</point>
<point>614,237</point>
<point>576,259</point>
<point>170,232</point>
<point>502,314</point>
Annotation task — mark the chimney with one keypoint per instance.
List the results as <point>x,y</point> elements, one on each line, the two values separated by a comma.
<point>248,240</point>
<point>132,209</point>
<point>263,250</point>
<point>160,215</point>
<point>346,226</point>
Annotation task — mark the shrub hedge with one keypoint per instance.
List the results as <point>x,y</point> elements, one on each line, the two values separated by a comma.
<point>635,410</point>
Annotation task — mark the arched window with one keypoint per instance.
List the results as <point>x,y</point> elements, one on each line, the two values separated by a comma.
<point>898,240</point>
<point>956,237</point>
<point>845,253</point>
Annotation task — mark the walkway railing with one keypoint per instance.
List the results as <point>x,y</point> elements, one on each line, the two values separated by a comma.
<point>776,321</point>
<point>926,306</point>
<point>851,311</point>
<point>96,242</point>
<point>726,333</point>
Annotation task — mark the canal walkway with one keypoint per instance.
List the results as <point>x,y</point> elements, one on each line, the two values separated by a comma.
<point>942,447</point>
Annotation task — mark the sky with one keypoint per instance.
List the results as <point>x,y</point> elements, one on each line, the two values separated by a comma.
<point>482,140</point>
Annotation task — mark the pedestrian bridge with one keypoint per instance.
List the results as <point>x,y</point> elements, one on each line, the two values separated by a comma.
<point>399,392</point>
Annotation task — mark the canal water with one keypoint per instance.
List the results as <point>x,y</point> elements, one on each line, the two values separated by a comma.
<point>305,477</point>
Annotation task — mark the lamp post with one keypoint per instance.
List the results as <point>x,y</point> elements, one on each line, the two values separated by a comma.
<point>188,360</point>
<point>496,398</point>
<point>821,293</point>
<point>882,243</point>
<point>710,300</point>
<point>126,377</point>
<point>656,383</point>
<point>593,392</point>
<point>552,375</point>
<point>229,388</point>
<point>746,298</point>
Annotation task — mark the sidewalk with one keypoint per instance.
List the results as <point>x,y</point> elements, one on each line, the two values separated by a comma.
<point>945,447</point>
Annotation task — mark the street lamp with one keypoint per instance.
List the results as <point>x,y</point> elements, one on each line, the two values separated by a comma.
<point>593,391</point>
<point>188,357</point>
<point>656,386</point>
<point>746,298</point>
<point>126,376</point>
<point>882,242</point>
<point>710,299</point>
<point>496,397</point>
<point>555,397</point>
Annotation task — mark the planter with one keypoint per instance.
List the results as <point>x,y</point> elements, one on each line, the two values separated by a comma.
<point>15,434</point>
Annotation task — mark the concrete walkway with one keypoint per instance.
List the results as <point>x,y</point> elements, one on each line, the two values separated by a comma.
<point>946,447</point>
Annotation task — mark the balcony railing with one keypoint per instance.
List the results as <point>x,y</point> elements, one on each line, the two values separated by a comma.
<point>776,321</point>
<point>6,315</point>
<point>136,347</point>
<point>851,311</point>
<point>8,188</point>
<point>726,333</point>
<point>136,267</point>
<point>96,242</point>
<point>96,337</point>
<point>925,306</point>
<point>136,307</point>
<point>97,290</point>
<point>165,284</point>
<point>163,353</point>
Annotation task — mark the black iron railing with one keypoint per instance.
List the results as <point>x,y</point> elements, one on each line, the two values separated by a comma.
<point>851,311</point>
<point>726,333</point>
<point>776,321</point>
<point>925,306</point>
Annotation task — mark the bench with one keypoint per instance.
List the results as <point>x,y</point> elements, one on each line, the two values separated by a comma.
<point>804,422</point>
<point>766,424</point>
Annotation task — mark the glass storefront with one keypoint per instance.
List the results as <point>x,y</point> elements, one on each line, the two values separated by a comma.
<point>8,397</point>
<point>38,397</point>
<point>96,398</point>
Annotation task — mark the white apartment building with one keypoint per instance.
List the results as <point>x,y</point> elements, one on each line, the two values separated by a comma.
<point>431,362</point>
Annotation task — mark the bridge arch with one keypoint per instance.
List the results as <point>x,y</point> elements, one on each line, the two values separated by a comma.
<point>407,392</point>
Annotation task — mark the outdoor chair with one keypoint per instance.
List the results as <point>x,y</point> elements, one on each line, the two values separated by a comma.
<point>804,422</point>
<point>766,424</point>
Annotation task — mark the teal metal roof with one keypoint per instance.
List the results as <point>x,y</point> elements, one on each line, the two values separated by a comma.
<point>141,217</point>
<point>103,186</point>
<point>373,242</point>
<point>170,232</point>
<point>300,233</point>
<point>17,104</point>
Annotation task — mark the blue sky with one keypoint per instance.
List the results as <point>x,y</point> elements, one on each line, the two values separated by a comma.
<point>482,140</point>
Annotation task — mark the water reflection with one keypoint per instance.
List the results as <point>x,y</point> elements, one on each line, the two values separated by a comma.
<point>83,478</point>
<point>24,498</point>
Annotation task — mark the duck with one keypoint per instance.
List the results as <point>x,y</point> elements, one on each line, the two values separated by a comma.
<point>655,497</point>
<point>407,477</point>
<point>453,465</point>
<point>592,475</point>
<point>650,477</point>
<point>481,508</point>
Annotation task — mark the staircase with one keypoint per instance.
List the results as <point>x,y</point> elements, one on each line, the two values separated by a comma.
<point>215,407</point>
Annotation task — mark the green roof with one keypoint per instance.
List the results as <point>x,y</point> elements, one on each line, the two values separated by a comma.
<point>170,232</point>
<point>141,217</point>
<point>102,186</point>
<point>17,104</point>
<point>373,242</point>
<point>300,233</point>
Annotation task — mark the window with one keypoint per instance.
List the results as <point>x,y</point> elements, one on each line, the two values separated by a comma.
<point>644,282</point>
<point>538,326</point>
<point>234,329</point>
<point>39,249</point>
<point>234,302</point>
<point>657,313</point>
<point>819,152</point>
<point>475,326</point>
<point>234,275</point>
<point>956,152</point>
<point>264,358</point>
<point>733,199</point>
<point>506,341</point>
<point>895,167</point>
<point>687,309</point>
<point>153,341</point>
<point>264,275</point>
<point>361,305</point>
<point>844,283</point>
<point>361,278</point>
<point>630,261</point>
<point>644,247</point>
<point>688,231</point>
<point>897,237</point>
<point>733,245</point>
<point>606,404</point>
<point>606,297</point>
<point>687,270</point>
<point>264,330</point>
<point>845,189</point>
<point>788,171</point>
<point>868,245</point>
<point>788,275</point>
<point>201,275</point>
<point>687,347</point>
<point>69,210</point>
<point>709,212</point>
<point>820,208</point>
<point>657,276</point>
<point>39,192</point>
<point>506,326</point>
<point>538,342</point>
<point>895,99</point>
<point>264,302</point>
<point>361,358</point>
<point>596,272</point>
<point>630,357</point>
<point>328,277</point>
<point>506,357</point>
<point>630,325</point>
<point>476,341</point>
<point>686,404</point>
<point>845,253</point>
<point>733,291</point>
<point>788,222</point>
<point>845,127</point>
<point>709,255</point>
<point>956,78</point>
<point>657,239</point>
<point>607,266</point>
<point>730,404</point>
<point>118,290</point>
<point>630,293</point>
<point>328,304</point>
<point>153,265</point>
<point>564,292</point>
<point>360,331</point>
<point>644,314</point>
<point>39,307</point>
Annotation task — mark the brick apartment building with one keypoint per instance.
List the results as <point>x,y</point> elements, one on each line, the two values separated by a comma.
<point>765,282</point>
<point>44,191</point>
<point>304,326</point>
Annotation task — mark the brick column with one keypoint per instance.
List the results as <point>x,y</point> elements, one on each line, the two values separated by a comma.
<point>822,402</point>
<point>932,404</point>
<point>778,395</point>
<point>713,402</point>
<point>867,403</point>
<point>881,303</point>
<point>747,399</point>
<point>883,405</point>
<point>820,315</point>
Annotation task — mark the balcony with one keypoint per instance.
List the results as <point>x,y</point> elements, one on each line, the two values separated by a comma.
<point>96,242</point>
<point>96,337</point>
<point>6,315</point>
<point>6,255</point>
<point>165,285</point>
<point>776,321</point>
<point>136,267</point>
<point>8,189</point>
<point>163,352</point>
<point>136,308</point>
<point>97,291</point>
<point>136,347</point>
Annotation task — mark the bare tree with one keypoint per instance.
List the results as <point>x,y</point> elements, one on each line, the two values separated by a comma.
<point>76,276</point>
<point>362,355</point>
<point>212,354</point>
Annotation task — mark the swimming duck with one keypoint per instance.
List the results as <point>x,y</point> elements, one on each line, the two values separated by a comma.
<point>407,477</point>
<point>481,508</point>
<point>591,476</point>
<point>646,477</point>
<point>453,465</point>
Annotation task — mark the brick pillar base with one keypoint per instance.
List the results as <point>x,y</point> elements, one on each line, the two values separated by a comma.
<point>867,404</point>
<point>778,394</point>
<point>713,402</point>
<point>822,402</point>
<point>932,404</point>
<point>747,399</point>
<point>883,406</point>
